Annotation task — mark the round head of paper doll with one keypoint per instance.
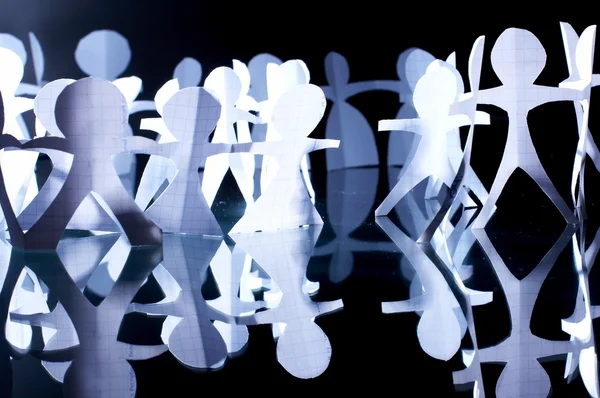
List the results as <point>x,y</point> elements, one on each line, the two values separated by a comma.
<point>412,64</point>
<point>11,72</point>
<point>45,103</point>
<point>188,72</point>
<point>435,92</point>
<point>226,85</point>
<point>258,74</point>
<point>104,54</point>
<point>191,115</point>
<point>298,111</point>
<point>518,57</point>
<point>15,45</point>
<point>243,73</point>
<point>460,87</point>
<point>336,70</point>
<point>92,112</point>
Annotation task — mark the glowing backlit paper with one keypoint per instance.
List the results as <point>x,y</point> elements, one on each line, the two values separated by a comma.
<point>518,58</point>
<point>303,349</point>
<point>188,73</point>
<point>191,116</point>
<point>92,146</point>
<point>286,203</point>
<point>434,94</point>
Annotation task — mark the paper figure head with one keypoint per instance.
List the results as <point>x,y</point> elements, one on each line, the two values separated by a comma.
<point>11,71</point>
<point>584,53</point>
<point>243,73</point>
<point>412,64</point>
<point>258,73</point>
<point>518,57</point>
<point>15,45</point>
<point>164,93</point>
<point>435,92</point>
<point>188,72</point>
<point>45,103</point>
<point>104,54</point>
<point>294,72</point>
<point>336,69</point>
<point>460,87</point>
<point>226,85</point>
<point>298,111</point>
<point>191,115</point>
<point>91,110</point>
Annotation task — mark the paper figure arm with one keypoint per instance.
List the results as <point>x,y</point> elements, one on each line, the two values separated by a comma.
<point>216,149</point>
<point>22,105</point>
<point>52,143</point>
<point>141,106</point>
<point>27,89</point>
<point>319,144</point>
<point>7,141</point>
<point>566,94</point>
<point>248,103</point>
<point>488,96</point>
<point>595,80</point>
<point>241,114</point>
<point>138,144</point>
<point>464,120</point>
<point>412,125</point>
<point>257,148</point>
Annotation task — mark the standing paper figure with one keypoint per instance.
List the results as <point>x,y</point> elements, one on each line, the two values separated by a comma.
<point>182,208</point>
<point>518,58</point>
<point>227,86</point>
<point>92,146</point>
<point>358,148</point>
<point>286,203</point>
<point>435,92</point>
<point>303,349</point>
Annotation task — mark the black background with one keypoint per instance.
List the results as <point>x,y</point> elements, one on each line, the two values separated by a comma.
<point>370,350</point>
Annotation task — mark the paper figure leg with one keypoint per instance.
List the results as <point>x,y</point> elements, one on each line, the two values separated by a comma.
<point>540,176</point>
<point>592,150</point>
<point>242,167</point>
<point>116,201</point>
<point>306,175</point>
<point>407,182</point>
<point>158,169</point>
<point>475,185</point>
<point>214,171</point>
<point>506,169</point>
<point>47,231</point>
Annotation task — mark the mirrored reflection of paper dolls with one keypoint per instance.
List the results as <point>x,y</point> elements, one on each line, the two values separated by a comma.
<point>287,204</point>
<point>303,349</point>
<point>434,94</point>
<point>92,146</point>
<point>522,351</point>
<point>518,58</point>
<point>106,54</point>
<point>227,86</point>
<point>188,331</point>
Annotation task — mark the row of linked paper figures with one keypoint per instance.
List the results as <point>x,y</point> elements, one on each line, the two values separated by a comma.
<point>269,108</point>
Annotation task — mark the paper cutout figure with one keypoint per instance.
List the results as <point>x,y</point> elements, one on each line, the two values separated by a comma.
<point>435,92</point>
<point>190,335</point>
<point>518,58</point>
<point>227,86</point>
<point>303,349</point>
<point>439,329</point>
<point>579,52</point>
<point>259,90</point>
<point>188,73</point>
<point>92,172</point>
<point>182,207</point>
<point>358,148</point>
<point>523,375</point>
<point>229,267</point>
<point>286,203</point>
<point>100,367</point>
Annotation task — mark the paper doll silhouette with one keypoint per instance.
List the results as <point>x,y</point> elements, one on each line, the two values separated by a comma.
<point>439,329</point>
<point>346,213</point>
<point>303,349</point>
<point>358,148</point>
<point>91,145</point>
<point>434,94</point>
<point>18,47</point>
<point>286,203</point>
<point>518,58</point>
<point>188,330</point>
<point>522,351</point>
<point>579,52</point>
<point>182,208</point>
<point>231,267</point>
<point>99,361</point>
<point>188,73</point>
<point>227,87</point>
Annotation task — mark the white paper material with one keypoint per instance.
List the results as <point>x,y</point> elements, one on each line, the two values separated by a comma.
<point>188,72</point>
<point>303,349</point>
<point>227,86</point>
<point>521,351</point>
<point>286,203</point>
<point>182,207</point>
<point>92,146</point>
<point>188,330</point>
<point>518,58</point>
<point>98,359</point>
<point>103,53</point>
<point>434,94</point>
